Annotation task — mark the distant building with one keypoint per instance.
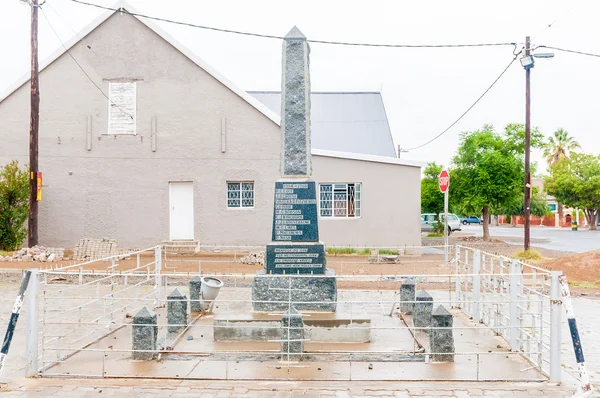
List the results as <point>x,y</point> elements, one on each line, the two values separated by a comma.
<point>550,220</point>
<point>177,152</point>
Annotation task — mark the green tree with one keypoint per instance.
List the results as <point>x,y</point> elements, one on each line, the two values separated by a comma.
<point>514,135</point>
<point>575,182</point>
<point>487,172</point>
<point>556,149</point>
<point>538,207</point>
<point>14,205</point>
<point>432,199</point>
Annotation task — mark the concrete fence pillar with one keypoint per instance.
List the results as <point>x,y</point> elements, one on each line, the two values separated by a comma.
<point>31,339</point>
<point>441,336</point>
<point>176,311</point>
<point>476,313</point>
<point>144,334</point>
<point>292,341</point>
<point>158,272</point>
<point>195,286</point>
<point>513,306</point>
<point>407,293</point>
<point>423,308</point>
<point>555,327</point>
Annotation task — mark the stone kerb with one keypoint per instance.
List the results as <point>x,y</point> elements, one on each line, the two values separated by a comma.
<point>407,296</point>
<point>292,336</point>
<point>423,309</point>
<point>441,336</point>
<point>144,334</point>
<point>176,311</point>
<point>195,286</point>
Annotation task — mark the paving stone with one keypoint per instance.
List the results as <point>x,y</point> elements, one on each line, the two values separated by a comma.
<point>499,393</point>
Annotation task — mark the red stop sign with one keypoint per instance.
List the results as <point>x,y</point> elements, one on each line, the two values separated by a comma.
<point>444,181</point>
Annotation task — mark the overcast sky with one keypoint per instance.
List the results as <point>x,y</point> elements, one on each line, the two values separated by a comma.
<point>424,90</point>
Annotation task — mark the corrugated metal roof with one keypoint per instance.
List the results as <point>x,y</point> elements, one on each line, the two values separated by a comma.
<point>353,122</point>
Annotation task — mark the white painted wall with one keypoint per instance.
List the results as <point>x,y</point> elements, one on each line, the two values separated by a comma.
<point>120,188</point>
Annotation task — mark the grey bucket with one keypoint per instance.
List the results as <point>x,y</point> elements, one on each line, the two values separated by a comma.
<point>209,291</point>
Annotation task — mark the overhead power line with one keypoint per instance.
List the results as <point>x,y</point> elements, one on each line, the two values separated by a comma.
<point>469,108</point>
<point>571,51</point>
<point>267,36</point>
<point>563,15</point>
<point>81,67</point>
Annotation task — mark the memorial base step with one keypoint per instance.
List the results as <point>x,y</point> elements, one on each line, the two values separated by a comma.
<point>310,292</point>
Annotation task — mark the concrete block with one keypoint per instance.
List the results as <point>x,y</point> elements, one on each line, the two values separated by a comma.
<point>176,311</point>
<point>407,293</point>
<point>292,344</point>
<point>441,341</point>
<point>144,334</point>
<point>423,309</point>
<point>195,286</point>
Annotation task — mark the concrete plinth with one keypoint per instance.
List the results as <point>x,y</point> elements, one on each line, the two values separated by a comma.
<point>195,286</point>
<point>313,293</point>
<point>176,311</point>
<point>263,327</point>
<point>292,340</point>
<point>441,341</point>
<point>422,313</point>
<point>407,293</point>
<point>144,334</point>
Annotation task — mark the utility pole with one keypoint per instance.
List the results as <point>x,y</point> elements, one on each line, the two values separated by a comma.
<point>527,190</point>
<point>32,232</point>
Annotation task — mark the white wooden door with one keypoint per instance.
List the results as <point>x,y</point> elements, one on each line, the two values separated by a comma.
<point>181,208</point>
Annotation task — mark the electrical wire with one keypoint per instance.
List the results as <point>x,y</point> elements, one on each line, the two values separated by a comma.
<point>66,23</point>
<point>267,36</point>
<point>81,67</point>
<point>570,51</point>
<point>557,18</point>
<point>472,106</point>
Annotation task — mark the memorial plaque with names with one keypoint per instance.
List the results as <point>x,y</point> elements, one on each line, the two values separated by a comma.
<point>292,259</point>
<point>295,212</point>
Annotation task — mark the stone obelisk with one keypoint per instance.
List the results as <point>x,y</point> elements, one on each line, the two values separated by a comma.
<point>295,248</point>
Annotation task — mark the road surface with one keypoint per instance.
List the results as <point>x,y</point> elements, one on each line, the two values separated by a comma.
<point>562,239</point>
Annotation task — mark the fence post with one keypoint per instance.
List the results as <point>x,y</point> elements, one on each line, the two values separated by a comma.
<point>31,339</point>
<point>555,315</point>
<point>476,285</point>
<point>158,268</point>
<point>456,277</point>
<point>513,309</point>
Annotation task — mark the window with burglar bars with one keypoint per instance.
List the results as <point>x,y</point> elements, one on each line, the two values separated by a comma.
<point>339,200</point>
<point>240,194</point>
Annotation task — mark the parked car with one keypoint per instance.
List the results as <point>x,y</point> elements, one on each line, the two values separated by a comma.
<point>471,220</point>
<point>428,221</point>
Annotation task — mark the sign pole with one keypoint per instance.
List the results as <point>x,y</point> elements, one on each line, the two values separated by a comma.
<point>444,184</point>
<point>446,232</point>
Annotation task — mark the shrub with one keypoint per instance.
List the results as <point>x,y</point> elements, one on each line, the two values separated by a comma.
<point>14,205</point>
<point>529,255</point>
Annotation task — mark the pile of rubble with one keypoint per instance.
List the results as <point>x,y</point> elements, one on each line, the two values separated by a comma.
<point>92,248</point>
<point>36,253</point>
<point>257,257</point>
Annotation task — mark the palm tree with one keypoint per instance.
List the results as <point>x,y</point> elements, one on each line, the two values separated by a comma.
<point>557,149</point>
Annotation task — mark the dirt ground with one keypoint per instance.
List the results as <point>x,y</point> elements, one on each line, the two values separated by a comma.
<point>582,269</point>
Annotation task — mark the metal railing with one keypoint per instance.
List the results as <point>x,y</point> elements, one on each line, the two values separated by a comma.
<point>82,306</point>
<point>514,300</point>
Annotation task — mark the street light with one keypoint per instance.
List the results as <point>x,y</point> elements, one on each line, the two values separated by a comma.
<point>527,61</point>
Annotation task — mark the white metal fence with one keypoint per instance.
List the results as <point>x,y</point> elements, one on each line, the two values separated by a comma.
<point>515,300</point>
<point>84,312</point>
